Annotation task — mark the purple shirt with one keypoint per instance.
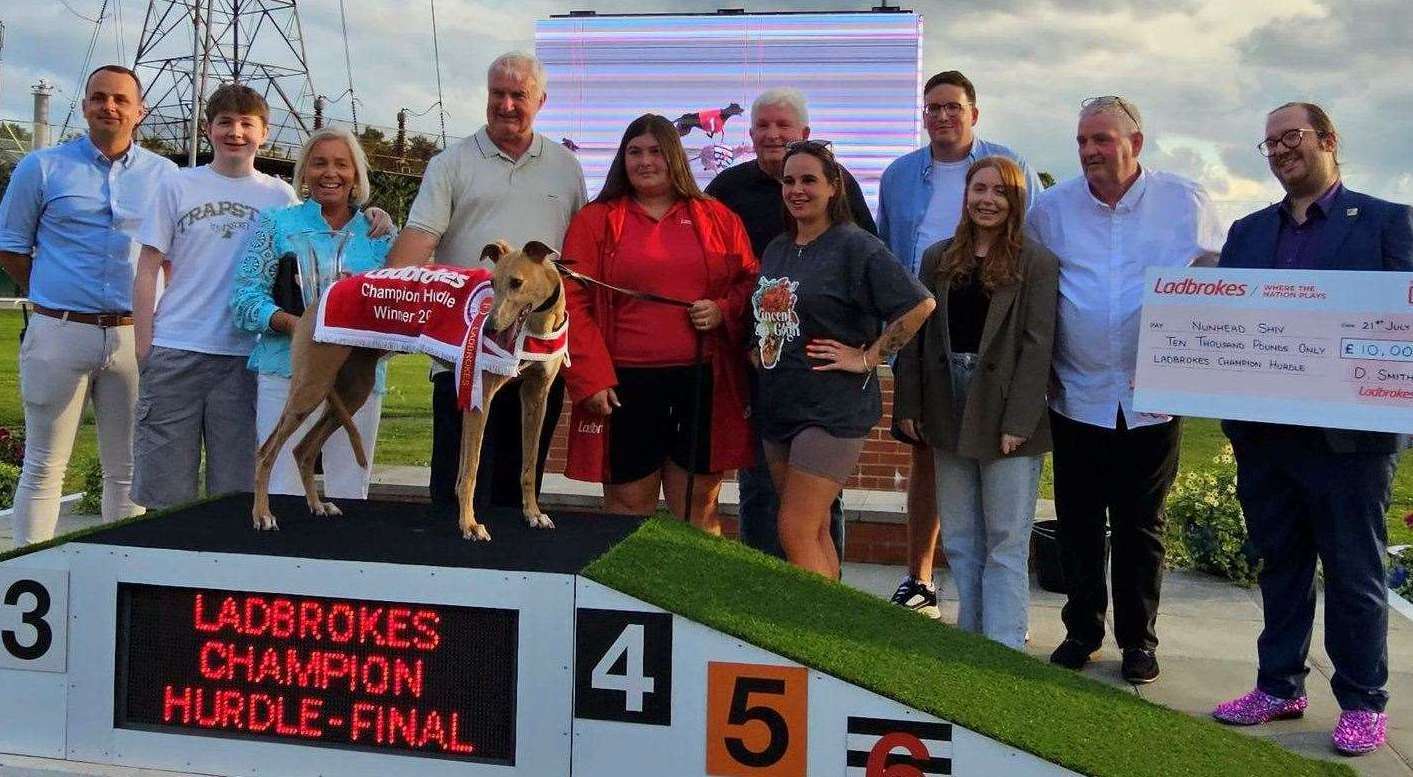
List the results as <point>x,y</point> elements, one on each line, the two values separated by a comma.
<point>1296,243</point>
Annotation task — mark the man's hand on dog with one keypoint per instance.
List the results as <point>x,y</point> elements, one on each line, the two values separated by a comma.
<point>602,403</point>
<point>705,315</point>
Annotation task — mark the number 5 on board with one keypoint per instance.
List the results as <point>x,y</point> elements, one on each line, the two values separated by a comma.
<point>756,720</point>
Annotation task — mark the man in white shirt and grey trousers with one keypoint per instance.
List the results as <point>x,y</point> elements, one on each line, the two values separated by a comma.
<point>1113,465</point>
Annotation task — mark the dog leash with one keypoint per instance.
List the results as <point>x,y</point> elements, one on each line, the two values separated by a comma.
<point>694,432</point>
<point>642,295</point>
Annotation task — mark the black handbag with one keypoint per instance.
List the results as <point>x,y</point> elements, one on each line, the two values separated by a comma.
<point>286,291</point>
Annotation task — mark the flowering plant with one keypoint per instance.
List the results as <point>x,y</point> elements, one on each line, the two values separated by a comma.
<point>1400,571</point>
<point>1205,529</point>
<point>12,447</point>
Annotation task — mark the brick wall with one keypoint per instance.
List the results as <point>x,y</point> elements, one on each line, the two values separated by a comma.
<point>883,466</point>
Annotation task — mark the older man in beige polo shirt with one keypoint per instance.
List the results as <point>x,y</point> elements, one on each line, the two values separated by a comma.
<point>506,182</point>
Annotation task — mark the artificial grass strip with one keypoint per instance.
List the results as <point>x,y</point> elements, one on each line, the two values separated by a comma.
<point>1058,715</point>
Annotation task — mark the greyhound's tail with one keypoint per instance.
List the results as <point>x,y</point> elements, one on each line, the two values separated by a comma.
<point>346,421</point>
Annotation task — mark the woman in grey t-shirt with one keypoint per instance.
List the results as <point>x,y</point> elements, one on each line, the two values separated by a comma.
<point>831,305</point>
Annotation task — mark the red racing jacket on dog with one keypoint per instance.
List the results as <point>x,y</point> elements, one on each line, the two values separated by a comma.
<point>589,248</point>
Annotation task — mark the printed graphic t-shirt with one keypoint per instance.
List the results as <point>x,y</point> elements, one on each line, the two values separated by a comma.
<point>202,220</point>
<point>844,286</point>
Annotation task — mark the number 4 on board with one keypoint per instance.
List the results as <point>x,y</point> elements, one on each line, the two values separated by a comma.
<point>632,681</point>
<point>623,666</point>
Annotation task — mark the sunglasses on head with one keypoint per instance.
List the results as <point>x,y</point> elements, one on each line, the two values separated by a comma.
<point>1111,99</point>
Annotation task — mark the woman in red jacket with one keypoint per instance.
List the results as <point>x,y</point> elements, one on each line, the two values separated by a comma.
<point>631,376</point>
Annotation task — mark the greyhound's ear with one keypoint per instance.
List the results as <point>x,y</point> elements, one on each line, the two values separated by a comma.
<point>538,250</point>
<point>494,251</point>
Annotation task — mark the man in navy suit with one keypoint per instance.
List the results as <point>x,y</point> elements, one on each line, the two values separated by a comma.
<point>1310,492</point>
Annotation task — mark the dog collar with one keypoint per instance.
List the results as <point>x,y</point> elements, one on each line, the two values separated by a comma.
<point>549,303</point>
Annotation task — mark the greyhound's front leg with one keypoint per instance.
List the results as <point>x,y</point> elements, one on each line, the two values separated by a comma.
<point>534,395</point>
<point>473,428</point>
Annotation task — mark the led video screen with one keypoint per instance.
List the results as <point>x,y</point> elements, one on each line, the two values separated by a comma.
<point>859,72</point>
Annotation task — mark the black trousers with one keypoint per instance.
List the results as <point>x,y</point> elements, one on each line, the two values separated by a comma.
<point>1301,503</point>
<point>498,476</point>
<point>1114,478</point>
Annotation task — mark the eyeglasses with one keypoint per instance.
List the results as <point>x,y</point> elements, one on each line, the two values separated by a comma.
<point>1112,99</point>
<point>1289,139</point>
<point>933,110</point>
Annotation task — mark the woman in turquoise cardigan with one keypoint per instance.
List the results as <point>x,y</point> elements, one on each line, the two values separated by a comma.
<point>332,177</point>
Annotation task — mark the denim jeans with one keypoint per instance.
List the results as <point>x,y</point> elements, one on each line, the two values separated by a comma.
<point>987,510</point>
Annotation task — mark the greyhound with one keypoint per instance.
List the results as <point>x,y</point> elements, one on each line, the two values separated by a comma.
<point>711,122</point>
<point>528,292</point>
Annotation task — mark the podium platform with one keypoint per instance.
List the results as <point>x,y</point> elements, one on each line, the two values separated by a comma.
<point>381,642</point>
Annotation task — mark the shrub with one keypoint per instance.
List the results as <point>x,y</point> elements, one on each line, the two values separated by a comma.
<point>1205,529</point>
<point>1400,572</point>
<point>9,479</point>
<point>91,503</point>
<point>12,447</point>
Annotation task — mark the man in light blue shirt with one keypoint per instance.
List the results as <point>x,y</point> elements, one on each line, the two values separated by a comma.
<point>919,203</point>
<point>67,227</point>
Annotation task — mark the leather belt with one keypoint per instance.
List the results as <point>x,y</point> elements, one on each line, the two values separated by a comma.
<point>95,319</point>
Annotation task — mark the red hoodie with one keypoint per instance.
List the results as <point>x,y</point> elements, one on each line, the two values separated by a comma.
<point>589,248</point>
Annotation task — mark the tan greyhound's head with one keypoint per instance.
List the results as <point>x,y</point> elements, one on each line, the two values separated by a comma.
<point>524,281</point>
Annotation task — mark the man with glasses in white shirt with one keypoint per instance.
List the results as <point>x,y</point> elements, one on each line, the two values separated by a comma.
<point>919,203</point>
<point>1113,465</point>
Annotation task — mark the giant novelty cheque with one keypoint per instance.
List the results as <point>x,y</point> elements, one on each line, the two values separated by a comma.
<point>1311,348</point>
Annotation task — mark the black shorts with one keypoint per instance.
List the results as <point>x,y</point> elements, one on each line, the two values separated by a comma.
<point>652,425</point>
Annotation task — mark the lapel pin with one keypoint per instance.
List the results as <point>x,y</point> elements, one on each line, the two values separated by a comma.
<point>1351,212</point>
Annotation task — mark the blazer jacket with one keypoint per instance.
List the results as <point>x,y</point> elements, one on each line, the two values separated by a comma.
<point>1363,233</point>
<point>1007,391</point>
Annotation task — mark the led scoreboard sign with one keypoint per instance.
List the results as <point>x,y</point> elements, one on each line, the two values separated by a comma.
<point>417,679</point>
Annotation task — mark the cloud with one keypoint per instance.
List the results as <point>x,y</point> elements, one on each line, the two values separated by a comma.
<point>1204,72</point>
<point>1351,57</point>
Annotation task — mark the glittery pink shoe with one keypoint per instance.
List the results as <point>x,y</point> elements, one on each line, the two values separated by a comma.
<point>1359,732</point>
<point>1259,707</point>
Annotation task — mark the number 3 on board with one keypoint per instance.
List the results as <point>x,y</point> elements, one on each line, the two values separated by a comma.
<point>756,720</point>
<point>34,618</point>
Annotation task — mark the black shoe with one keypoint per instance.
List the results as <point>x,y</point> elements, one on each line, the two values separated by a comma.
<point>1071,654</point>
<point>918,597</point>
<point>1140,666</point>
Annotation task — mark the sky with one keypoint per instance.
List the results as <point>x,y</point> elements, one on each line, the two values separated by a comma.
<point>1203,72</point>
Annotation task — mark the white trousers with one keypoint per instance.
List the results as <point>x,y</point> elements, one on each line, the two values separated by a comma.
<point>343,478</point>
<point>64,364</point>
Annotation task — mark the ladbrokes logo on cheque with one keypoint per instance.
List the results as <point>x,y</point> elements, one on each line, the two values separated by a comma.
<point>1194,287</point>
<point>776,320</point>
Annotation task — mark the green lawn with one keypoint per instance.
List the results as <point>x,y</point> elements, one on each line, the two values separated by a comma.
<point>406,431</point>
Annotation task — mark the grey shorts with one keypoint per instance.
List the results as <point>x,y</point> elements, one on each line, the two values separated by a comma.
<point>817,452</point>
<point>187,401</point>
